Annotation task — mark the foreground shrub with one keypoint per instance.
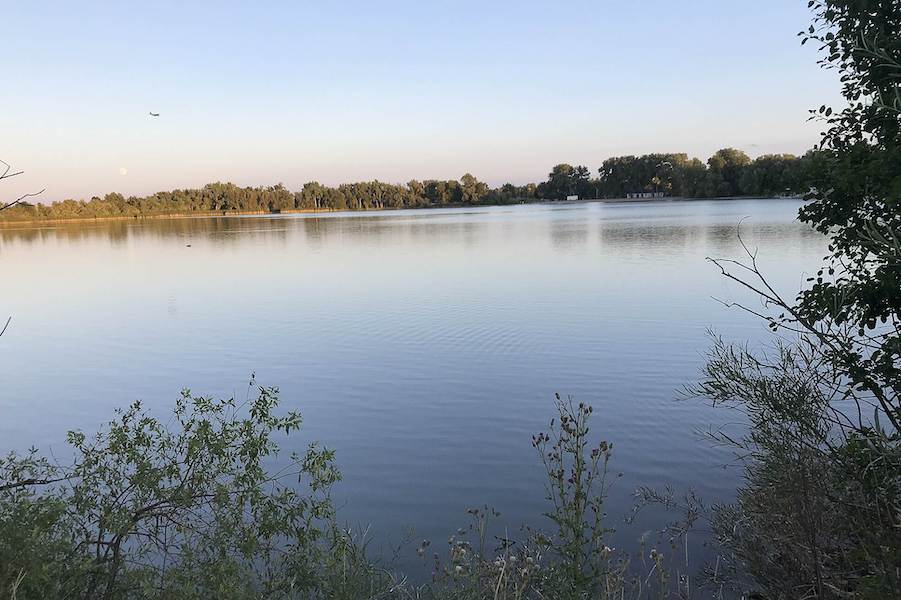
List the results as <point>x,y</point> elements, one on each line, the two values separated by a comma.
<point>818,515</point>
<point>190,508</point>
<point>180,509</point>
<point>572,559</point>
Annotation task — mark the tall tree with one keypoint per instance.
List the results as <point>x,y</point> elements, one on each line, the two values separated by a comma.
<point>560,182</point>
<point>472,190</point>
<point>726,167</point>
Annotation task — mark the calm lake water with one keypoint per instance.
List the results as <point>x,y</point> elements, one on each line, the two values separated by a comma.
<point>424,346</point>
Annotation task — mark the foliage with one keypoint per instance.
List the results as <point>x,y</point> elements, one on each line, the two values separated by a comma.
<point>817,516</point>
<point>730,173</point>
<point>572,560</point>
<point>725,170</point>
<point>820,513</point>
<point>181,509</point>
<point>577,488</point>
<point>190,508</point>
<point>857,198</point>
<point>225,197</point>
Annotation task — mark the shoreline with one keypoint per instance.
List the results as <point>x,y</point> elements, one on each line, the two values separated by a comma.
<point>200,214</point>
<point>11,224</point>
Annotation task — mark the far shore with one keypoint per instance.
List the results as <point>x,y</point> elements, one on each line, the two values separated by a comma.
<point>10,224</point>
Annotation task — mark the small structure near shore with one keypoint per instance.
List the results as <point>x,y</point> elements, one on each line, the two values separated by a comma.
<point>645,195</point>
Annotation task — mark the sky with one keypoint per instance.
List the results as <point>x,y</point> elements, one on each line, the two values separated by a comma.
<point>264,92</point>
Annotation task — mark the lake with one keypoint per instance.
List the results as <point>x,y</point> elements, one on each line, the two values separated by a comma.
<point>425,346</point>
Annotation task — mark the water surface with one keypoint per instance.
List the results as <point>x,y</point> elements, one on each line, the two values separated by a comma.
<point>425,346</point>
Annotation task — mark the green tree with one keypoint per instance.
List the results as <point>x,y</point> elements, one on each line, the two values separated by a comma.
<point>726,167</point>
<point>472,190</point>
<point>560,182</point>
<point>772,175</point>
<point>820,513</point>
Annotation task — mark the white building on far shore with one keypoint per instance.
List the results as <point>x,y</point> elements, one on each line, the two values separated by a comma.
<point>645,195</point>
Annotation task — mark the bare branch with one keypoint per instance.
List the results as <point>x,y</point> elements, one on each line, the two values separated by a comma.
<point>759,285</point>
<point>6,172</point>
<point>6,175</point>
<point>22,197</point>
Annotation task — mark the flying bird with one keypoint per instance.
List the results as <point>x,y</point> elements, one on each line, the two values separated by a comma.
<point>153,114</point>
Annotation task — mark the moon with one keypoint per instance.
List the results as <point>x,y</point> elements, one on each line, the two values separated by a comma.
<point>123,171</point>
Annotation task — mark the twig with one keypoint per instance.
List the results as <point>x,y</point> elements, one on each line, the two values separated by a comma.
<point>22,197</point>
<point>6,175</point>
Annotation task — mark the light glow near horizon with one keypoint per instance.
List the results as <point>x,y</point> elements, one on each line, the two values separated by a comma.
<point>394,91</point>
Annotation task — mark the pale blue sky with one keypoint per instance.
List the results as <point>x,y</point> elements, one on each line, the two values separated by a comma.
<point>258,93</point>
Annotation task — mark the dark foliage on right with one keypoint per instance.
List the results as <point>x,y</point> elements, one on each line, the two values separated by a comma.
<point>819,515</point>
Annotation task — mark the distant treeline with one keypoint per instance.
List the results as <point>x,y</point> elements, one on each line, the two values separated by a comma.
<point>727,173</point>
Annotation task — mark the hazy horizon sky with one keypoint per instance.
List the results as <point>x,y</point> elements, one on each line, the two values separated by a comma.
<point>260,93</point>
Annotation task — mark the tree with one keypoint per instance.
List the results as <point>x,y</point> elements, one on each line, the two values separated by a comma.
<point>618,176</point>
<point>857,196</point>
<point>560,182</point>
<point>472,190</point>
<point>692,178</point>
<point>820,513</point>
<point>726,167</point>
<point>417,193</point>
<point>670,173</point>
<point>771,175</point>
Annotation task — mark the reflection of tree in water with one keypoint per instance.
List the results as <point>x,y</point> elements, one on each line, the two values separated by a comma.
<point>620,237</point>
<point>716,238</point>
<point>615,236</point>
<point>569,234</point>
<point>391,229</point>
<point>319,231</point>
<point>218,230</point>
<point>722,238</point>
